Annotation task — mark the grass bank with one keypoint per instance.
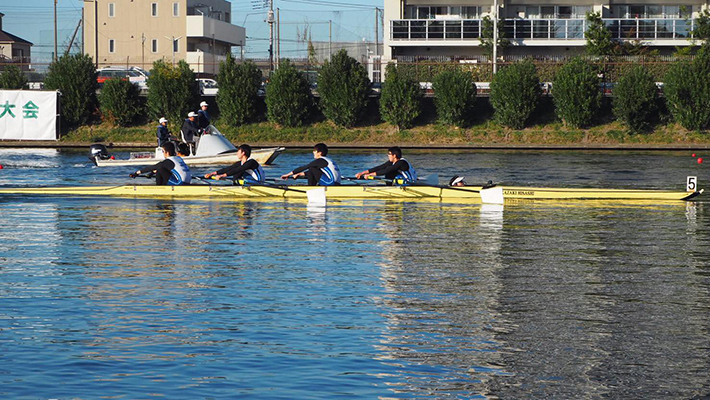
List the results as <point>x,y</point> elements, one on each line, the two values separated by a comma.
<point>486,134</point>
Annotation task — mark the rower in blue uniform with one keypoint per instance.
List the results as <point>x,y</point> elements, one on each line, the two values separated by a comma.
<point>322,171</point>
<point>171,171</point>
<point>244,171</point>
<point>396,170</point>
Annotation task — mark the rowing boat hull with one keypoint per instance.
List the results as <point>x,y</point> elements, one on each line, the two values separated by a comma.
<point>466,194</point>
<point>262,156</point>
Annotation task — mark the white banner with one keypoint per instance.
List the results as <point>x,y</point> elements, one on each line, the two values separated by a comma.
<point>28,115</point>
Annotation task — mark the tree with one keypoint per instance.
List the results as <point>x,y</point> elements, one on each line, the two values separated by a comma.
<point>239,85</point>
<point>635,99</point>
<point>687,91</point>
<point>344,89</point>
<point>599,42</point>
<point>400,98</point>
<point>119,102</point>
<point>74,76</point>
<point>12,78</point>
<point>702,27</point>
<point>515,93</point>
<point>455,98</point>
<point>487,36</point>
<point>288,96</point>
<point>172,91</point>
<point>576,93</point>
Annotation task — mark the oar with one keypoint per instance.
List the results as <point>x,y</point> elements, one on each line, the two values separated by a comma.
<point>430,180</point>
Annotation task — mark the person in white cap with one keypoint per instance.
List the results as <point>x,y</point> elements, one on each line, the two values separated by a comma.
<point>457,181</point>
<point>190,132</point>
<point>203,119</point>
<point>163,133</point>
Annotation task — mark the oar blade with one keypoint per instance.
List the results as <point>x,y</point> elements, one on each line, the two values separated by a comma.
<point>492,195</point>
<point>316,197</point>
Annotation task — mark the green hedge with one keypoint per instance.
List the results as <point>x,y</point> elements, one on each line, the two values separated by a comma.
<point>344,89</point>
<point>576,93</point>
<point>119,102</point>
<point>515,92</point>
<point>635,101</point>
<point>455,98</point>
<point>12,78</point>
<point>238,94</point>
<point>687,91</point>
<point>74,75</point>
<point>400,99</point>
<point>288,96</point>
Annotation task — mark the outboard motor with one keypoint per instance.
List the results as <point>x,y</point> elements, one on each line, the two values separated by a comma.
<point>99,151</point>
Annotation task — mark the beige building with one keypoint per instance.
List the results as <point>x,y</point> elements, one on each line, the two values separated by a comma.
<point>139,32</point>
<point>441,29</point>
<point>14,49</point>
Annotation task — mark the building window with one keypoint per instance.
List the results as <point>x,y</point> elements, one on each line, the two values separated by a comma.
<point>154,45</point>
<point>176,9</point>
<point>651,11</point>
<point>154,9</point>
<point>451,12</point>
<point>175,45</point>
<point>111,46</point>
<point>111,10</point>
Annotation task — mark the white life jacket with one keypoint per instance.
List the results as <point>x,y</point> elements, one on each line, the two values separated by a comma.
<point>181,172</point>
<point>331,173</point>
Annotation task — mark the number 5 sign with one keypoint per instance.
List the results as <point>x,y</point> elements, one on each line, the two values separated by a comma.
<point>691,184</point>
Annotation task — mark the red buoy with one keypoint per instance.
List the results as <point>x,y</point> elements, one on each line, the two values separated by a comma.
<point>693,155</point>
<point>700,160</point>
<point>1,167</point>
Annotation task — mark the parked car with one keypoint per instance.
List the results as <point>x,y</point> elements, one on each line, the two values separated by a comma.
<point>135,75</point>
<point>208,87</point>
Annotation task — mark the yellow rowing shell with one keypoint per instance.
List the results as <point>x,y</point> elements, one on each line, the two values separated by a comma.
<point>467,193</point>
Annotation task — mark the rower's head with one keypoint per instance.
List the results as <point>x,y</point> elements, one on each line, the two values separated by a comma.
<point>320,150</point>
<point>245,151</point>
<point>457,181</point>
<point>169,149</point>
<point>183,150</point>
<point>394,154</point>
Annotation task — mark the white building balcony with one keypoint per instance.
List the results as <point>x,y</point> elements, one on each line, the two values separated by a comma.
<point>199,26</point>
<point>537,32</point>
<point>202,62</point>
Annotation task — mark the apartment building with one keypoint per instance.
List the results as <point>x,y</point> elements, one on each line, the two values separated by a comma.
<point>14,49</point>
<point>438,28</point>
<point>139,32</point>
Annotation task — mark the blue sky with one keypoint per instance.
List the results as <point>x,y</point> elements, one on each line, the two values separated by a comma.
<point>33,20</point>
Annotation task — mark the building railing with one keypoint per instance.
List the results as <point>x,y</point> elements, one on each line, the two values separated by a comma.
<point>539,29</point>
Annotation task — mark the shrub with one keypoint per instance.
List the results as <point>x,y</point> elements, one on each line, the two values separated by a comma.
<point>172,91</point>
<point>344,88</point>
<point>400,99</point>
<point>74,75</point>
<point>635,99</point>
<point>515,93</point>
<point>288,96</point>
<point>12,78</point>
<point>119,101</point>
<point>576,93</point>
<point>239,85</point>
<point>687,91</point>
<point>455,94</point>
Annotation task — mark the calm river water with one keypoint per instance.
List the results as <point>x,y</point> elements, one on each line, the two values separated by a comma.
<point>141,298</point>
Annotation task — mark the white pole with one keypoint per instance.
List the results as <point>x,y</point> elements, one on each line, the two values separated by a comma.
<point>495,35</point>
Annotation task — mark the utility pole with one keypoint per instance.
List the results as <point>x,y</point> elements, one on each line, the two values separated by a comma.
<point>96,32</point>
<point>55,30</point>
<point>172,43</point>
<point>270,21</point>
<point>377,32</point>
<point>495,35</point>
<point>143,50</point>
<point>330,39</point>
<point>278,38</point>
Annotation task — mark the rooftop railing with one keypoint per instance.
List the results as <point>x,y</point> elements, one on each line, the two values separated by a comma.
<point>539,29</point>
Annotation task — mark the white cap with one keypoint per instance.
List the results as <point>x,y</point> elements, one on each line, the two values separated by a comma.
<point>203,104</point>
<point>192,114</point>
<point>456,179</point>
<point>163,119</point>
